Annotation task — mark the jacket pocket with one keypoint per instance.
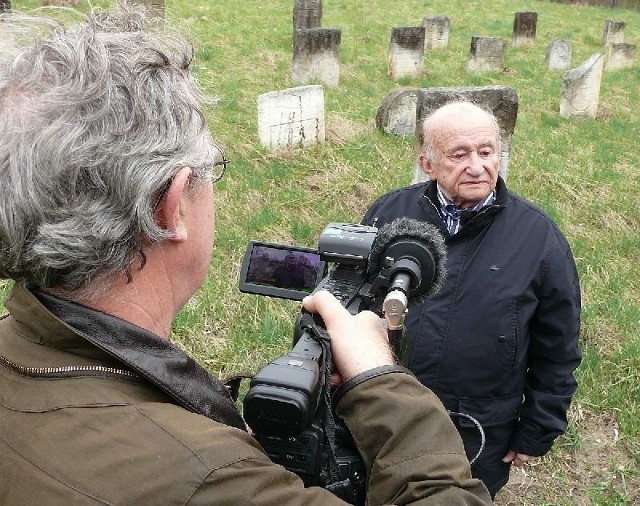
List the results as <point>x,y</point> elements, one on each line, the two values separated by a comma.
<point>490,411</point>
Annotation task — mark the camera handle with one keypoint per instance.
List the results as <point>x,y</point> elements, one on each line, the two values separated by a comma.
<point>342,488</point>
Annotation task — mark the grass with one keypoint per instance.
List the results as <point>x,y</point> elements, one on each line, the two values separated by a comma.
<point>584,174</point>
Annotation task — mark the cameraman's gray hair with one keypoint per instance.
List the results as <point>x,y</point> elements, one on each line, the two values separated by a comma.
<point>430,125</point>
<point>95,120</point>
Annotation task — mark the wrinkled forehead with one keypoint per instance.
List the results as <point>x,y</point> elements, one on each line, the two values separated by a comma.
<point>467,136</point>
<point>463,125</point>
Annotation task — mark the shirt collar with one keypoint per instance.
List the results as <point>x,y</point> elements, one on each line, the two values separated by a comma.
<point>448,207</point>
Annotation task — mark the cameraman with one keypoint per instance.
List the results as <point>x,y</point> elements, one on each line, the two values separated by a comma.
<point>107,229</point>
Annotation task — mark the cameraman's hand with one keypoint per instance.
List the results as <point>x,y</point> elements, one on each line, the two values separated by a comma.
<point>358,343</point>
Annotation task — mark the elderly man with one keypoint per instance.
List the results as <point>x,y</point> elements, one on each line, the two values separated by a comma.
<point>499,342</point>
<point>107,229</point>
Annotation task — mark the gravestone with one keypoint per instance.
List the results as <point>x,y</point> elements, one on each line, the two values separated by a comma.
<point>397,113</point>
<point>501,100</point>
<point>307,14</point>
<point>487,53</point>
<point>406,52</point>
<point>613,31</point>
<point>291,118</point>
<point>620,56</point>
<point>436,32</point>
<point>558,55</point>
<point>581,89</point>
<point>316,56</point>
<point>524,28</point>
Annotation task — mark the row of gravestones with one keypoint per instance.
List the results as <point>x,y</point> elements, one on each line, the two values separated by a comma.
<point>295,117</point>
<point>316,50</point>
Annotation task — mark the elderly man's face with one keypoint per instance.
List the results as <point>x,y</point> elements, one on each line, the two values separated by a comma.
<point>466,158</point>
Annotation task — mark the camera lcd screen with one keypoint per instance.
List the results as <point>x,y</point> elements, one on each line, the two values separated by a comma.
<point>289,272</point>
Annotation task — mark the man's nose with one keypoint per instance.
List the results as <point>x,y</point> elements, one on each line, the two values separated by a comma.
<point>476,164</point>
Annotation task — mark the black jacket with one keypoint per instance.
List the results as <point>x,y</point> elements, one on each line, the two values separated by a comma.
<point>505,326</point>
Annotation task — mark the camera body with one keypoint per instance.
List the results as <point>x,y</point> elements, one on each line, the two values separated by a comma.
<point>288,405</point>
<point>284,405</point>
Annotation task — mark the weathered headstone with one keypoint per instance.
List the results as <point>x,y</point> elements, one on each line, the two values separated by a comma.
<point>581,89</point>
<point>620,56</point>
<point>524,28</point>
<point>397,113</point>
<point>613,31</point>
<point>436,32</point>
<point>316,56</point>
<point>307,14</point>
<point>501,100</point>
<point>487,53</point>
<point>406,51</point>
<point>291,118</point>
<point>558,55</point>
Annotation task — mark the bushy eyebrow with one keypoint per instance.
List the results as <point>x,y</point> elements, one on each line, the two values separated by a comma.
<point>465,147</point>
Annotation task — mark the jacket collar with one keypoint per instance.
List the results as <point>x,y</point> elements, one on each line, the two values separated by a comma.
<point>471,222</point>
<point>155,359</point>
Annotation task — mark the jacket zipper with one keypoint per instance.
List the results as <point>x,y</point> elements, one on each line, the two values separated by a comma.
<point>67,371</point>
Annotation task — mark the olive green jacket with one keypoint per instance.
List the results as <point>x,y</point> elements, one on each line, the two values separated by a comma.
<point>106,437</point>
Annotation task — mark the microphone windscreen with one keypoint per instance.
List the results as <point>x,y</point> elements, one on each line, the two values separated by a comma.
<point>426,234</point>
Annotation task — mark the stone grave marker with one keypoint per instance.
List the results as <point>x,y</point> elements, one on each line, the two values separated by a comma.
<point>501,100</point>
<point>524,28</point>
<point>620,56</point>
<point>581,89</point>
<point>291,118</point>
<point>613,31</point>
<point>406,52</point>
<point>487,53</point>
<point>436,32</point>
<point>397,113</point>
<point>558,55</point>
<point>316,56</point>
<point>307,14</point>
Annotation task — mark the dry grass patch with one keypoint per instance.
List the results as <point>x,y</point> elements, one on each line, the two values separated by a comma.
<point>339,129</point>
<point>577,474</point>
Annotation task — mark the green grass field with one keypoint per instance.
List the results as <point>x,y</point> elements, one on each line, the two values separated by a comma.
<point>584,174</point>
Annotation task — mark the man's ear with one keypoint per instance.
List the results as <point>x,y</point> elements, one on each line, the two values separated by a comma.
<point>426,166</point>
<point>172,206</point>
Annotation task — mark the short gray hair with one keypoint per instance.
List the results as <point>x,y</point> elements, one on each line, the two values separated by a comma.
<point>432,123</point>
<point>95,120</point>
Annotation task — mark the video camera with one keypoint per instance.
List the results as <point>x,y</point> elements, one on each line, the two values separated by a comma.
<point>288,404</point>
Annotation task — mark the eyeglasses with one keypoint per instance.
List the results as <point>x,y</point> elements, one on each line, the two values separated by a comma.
<point>215,178</point>
<point>222,163</point>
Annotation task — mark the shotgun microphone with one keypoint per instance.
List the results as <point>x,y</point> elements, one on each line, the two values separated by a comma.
<point>413,255</point>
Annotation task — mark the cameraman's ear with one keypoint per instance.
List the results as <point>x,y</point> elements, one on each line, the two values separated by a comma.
<point>173,206</point>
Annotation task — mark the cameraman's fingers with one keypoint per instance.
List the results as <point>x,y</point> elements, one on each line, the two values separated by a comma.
<point>358,343</point>
<point>324,302</point>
